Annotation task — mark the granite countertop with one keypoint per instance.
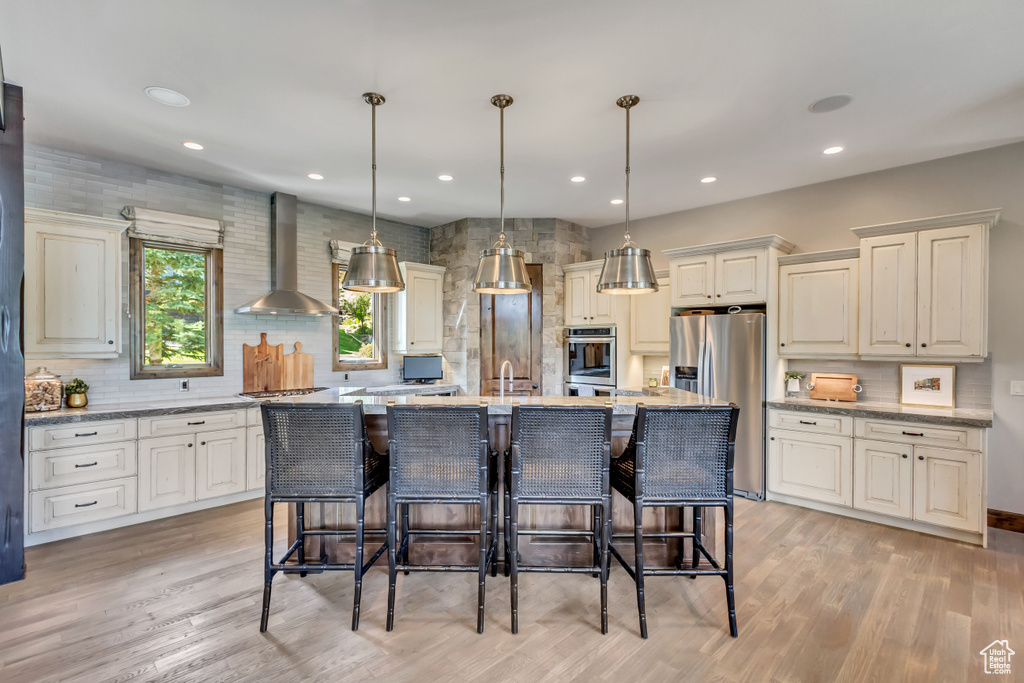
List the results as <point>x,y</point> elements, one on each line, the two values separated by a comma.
<point>129,409</point>
<point>959,417</point>
<point>621,405</point>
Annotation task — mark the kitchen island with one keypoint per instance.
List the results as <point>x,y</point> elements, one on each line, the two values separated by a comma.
<point>538,549</point>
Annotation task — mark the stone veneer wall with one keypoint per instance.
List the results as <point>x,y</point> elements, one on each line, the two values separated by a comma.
<point>550,242</point>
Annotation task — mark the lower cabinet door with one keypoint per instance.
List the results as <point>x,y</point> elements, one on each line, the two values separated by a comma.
<point>947,488</point>
<point>813,466</point>
<point>882,478</point>
<point>220,463</point>
<point>68,505</point>
<point>256,459</point>
<point>167,471</point>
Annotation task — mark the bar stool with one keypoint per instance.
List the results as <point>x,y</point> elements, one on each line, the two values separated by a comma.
<point>318,454</point>
<point>559,456</point>
<point>679,457</point>
<point>440,454</point>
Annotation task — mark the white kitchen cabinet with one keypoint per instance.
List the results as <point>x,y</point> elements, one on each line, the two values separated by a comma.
<point>221,463</point>
<point>72,285</point>
<point>924,288</point>
<point>692,281</point>
<point>69,505</point>
<point>648,319</point>
<point>167,471</point>
<point>952,279</point>
<point>813,466</point>
<point>947,488</point>
<point>419,322</point>
<point>818,312</point>
<point>256,459</point>
<point>583,304</point>
<point>81,465</point>
<point>882,478</point>
<point>726,273</point>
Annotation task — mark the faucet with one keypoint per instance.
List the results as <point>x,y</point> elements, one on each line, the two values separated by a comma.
<point>501,379</point>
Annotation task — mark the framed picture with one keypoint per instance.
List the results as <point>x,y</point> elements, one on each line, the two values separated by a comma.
<point>931,386</point>
<point>665,379</point>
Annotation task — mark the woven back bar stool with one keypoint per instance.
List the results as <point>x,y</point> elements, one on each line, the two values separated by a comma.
<point>559,456</point>
<point>318,454</point>
<point>440,454</point>
<point>679,457</point>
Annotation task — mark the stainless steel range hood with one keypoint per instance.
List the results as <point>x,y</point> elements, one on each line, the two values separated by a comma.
<point>284,297</point>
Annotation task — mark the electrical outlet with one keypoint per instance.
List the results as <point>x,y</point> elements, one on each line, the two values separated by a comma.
<point>1017,387</point>
<point>183,385</point>
<point>345,377</point>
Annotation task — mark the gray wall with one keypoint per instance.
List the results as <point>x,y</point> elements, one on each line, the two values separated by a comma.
<point>818,217</point>
<point>77,183</point>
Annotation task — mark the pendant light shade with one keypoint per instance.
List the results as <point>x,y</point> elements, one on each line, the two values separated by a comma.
<point>372,267</point>
<point>628,269</point>
<point>502,269</point>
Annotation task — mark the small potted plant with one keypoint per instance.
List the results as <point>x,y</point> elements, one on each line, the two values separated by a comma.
<point>75,392</point>
<point>793,380</point>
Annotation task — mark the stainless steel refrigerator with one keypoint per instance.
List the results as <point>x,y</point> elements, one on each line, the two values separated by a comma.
<point>723,356</point>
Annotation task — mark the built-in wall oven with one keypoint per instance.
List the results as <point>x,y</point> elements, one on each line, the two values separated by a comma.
<point>590,357</point>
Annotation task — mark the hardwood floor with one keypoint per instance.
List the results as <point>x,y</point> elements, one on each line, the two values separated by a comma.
<point>819,598</point>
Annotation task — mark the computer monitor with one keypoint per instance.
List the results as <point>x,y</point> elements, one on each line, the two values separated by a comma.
<point>423,369</point>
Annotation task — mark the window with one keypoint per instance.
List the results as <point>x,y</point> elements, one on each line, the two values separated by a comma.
<point>360,338</point>
<point>176,311</point>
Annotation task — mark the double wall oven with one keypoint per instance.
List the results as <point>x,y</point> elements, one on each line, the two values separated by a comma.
<point>590,361</point>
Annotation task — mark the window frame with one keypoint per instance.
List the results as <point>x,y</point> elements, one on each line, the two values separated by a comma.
<point>214,366</point>
<point>380,331</point>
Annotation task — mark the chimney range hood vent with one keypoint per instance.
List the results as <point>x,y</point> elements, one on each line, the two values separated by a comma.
<point>284,297</point>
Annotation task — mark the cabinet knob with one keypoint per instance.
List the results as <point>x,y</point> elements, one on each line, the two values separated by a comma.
<point>411,343</point>
<point>771,438</point>
<point>719,295</point>
<point>923,345</point>
<point>904,456</point>
<point>190,445</point>
<point>709,296</point>
<point>908,345</point>
<point>782,344</point>
<point>920,457</point>
<point>202,443</point>
<point>110,341</point>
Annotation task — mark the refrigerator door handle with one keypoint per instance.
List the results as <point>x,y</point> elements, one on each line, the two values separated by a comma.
<point>707,376</point>
<point>5,328</point>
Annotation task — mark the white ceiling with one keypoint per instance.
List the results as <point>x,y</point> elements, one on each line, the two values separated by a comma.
<point>724,89</point>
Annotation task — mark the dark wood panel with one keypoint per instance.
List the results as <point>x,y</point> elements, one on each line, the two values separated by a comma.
<point>12,363</point>
<point>1010,521</point>
<point>511,328</point>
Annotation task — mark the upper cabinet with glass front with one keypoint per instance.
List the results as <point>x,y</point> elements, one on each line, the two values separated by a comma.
<point>924,287</point>
<point>72,285</point>
<point>725,273</point>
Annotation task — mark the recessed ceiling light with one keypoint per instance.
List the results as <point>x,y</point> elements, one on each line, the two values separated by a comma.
<point>193,145</point>
<point>616,201</point>
<point>830,103</point>
<point>708,179</point>
<point>404,199</point>
<point>832,150</point>
<point>314,176</point>
<point>445,177</point>
<point>577,179</point>
<point>171,98</point>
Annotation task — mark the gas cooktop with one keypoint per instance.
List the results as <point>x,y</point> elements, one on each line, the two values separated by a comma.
<point>279,393</point>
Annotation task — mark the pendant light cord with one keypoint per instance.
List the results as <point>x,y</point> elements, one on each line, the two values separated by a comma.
<point>373,156</point>
<point>627,178</point>
<point>501,147</point>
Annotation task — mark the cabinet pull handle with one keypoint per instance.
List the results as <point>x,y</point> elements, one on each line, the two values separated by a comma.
<point>201,422</point>
<point>806,422</point>
<point>90,464</point>
<point>913,433</point>
<point>85,505</point>
<point>87,434</point>
<point>920,457</point>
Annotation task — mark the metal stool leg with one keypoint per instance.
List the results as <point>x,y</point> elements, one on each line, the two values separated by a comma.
<point>357,564</point>
<point>507,531</point>
<point>512,558</point>
<point>638,566</point>
<point>595,525</point>
<point>729,592</point>
<point>268,572</point>
<point>392,558</point>
<point>300,531</point>
<point>493,545</point>
<point>405,536</point>
<point>698,526</point>
<point>484,544</point>
<point>606,534</point>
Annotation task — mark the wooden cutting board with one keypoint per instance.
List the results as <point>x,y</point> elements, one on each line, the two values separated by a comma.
<point>297,369</point>
<point>833,386</point>
<point>261,366</point>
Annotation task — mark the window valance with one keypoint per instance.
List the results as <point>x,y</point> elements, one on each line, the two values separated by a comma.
<point>174,228</point>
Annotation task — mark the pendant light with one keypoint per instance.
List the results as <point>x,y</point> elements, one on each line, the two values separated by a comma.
<point>628,269</point>
<point>372,267</point>
<point>502,269</point>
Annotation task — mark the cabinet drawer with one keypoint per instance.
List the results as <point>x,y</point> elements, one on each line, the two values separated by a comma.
<point>815,423</point>
<point>81,434</point>
<point>966,438</point>
<point>191,424</point>
<point>70,505</point>
<point>255,417</point>
<point>67,466</point>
